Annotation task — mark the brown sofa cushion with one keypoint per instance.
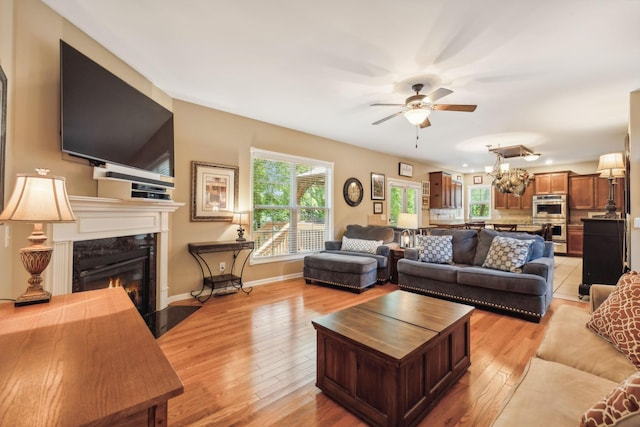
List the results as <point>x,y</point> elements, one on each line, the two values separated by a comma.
<point>616,319</point>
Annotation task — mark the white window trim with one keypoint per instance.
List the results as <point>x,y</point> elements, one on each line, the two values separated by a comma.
<point>290,158</point>
<point>404,183</point>
<point>475,186</point>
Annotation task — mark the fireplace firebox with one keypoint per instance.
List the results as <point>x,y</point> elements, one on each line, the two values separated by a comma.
<point>128,262</point>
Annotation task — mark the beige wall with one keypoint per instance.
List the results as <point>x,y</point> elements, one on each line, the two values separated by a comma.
<point>213,136</point>
<point>201,134</point>
<point>29,55</point>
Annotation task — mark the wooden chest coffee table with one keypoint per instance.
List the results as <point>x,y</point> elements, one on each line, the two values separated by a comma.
<point>390,359</point>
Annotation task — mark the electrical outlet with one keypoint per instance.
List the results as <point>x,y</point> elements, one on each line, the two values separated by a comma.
<point>223,266</point>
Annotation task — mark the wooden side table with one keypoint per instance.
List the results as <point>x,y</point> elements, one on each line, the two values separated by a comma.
<point>396,254</point>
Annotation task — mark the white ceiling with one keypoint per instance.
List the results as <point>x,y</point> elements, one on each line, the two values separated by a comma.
<point>553,75</point>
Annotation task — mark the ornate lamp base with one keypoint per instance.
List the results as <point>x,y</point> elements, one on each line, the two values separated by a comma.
<point>35,259</point>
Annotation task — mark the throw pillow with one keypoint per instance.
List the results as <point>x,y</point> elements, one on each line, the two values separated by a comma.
<point>437,249</point>
<point>360,245</point>
<point>507,254</point>
<point>617,321</point>
<point>621,403</point>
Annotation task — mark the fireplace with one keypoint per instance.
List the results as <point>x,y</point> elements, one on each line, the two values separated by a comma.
<point>128,262</point>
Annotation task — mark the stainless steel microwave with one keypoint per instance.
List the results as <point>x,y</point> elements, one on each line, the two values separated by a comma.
<point>551,206</point>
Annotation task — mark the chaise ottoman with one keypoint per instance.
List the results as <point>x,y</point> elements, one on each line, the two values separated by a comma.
<point>354,272</point>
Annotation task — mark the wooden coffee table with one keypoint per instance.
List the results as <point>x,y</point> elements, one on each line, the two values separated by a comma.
<point>390,359</point>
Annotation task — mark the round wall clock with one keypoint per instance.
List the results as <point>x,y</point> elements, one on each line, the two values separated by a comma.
<point>352,191</point>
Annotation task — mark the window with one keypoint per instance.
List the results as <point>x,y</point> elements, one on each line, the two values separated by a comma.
<point>291,198</point>
<point>404,197</point>
<point>480,202</point>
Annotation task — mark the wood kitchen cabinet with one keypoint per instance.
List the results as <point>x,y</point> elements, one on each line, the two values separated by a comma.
<point>592,192</point>
<point>445,192</point>
<point>499,199</point>
<point>574,240</point>
<point>510,201</point>
<point>552,183</point>
<point>602,193</point>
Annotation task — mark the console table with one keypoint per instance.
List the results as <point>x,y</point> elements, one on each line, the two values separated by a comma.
<point>85,358</point>
<point>221,280</point>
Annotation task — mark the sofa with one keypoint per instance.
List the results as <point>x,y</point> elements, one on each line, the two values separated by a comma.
<point>467,276</point>
<point>357,261</point>
<point>576,378</point>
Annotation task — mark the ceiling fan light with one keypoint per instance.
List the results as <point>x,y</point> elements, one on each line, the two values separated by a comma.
<point>416,116</point>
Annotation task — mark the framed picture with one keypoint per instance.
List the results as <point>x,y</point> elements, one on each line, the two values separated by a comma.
<point>377,186</point>
<point>3,131</point>
<point>377,208</point>
<point>477,179</point>
<point>214,191</point>
<point>458,177</point>
<point>405,169</point>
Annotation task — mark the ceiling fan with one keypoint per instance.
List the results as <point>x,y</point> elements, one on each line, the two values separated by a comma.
<point>418,107</point>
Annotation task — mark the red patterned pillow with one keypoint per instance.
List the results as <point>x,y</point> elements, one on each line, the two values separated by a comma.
<point>621,402</point>
<point>618,318</point>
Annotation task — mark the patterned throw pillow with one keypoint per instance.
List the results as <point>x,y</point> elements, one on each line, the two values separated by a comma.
<point>621,403</point>
<point>617,319</point>
<point>437,249</point>
<point>507,254</point>
<point>360,245</point>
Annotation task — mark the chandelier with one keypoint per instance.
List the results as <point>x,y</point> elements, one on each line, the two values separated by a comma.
<point>506,179</point>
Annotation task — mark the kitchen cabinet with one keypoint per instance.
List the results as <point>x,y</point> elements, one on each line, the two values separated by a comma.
<point>510,201</point>
<point>582,191</point>
<point>499,199</point>
<point>574,240</point>
<point>592,192</point>
<point>445,192</point>
<point>602,193</point>
<point>552,183</point>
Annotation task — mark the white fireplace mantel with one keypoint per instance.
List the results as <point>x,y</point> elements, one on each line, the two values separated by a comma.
<point>100,218</point>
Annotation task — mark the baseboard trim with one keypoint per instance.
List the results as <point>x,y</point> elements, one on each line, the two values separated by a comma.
<point>182,297</point>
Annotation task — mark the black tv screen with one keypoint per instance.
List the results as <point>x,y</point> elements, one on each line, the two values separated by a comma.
<point>105,120</point>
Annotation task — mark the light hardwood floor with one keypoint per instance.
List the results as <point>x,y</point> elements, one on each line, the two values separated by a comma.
<point>249,360</point>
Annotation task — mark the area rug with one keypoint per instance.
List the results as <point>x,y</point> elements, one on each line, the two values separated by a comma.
<point>162,321</point>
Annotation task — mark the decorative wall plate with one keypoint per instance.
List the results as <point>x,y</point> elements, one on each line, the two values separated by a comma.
<point>352,191</point>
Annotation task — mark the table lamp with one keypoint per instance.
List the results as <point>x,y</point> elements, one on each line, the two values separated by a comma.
<point>240,218</point>
<point>37,198</point>
<point>611,166</point>
<point>408,222</point>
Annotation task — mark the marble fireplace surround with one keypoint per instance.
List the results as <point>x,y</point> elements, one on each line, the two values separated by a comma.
<point>100,218</point>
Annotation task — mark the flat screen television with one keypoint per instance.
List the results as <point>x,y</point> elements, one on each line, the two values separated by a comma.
<point>105,120</point>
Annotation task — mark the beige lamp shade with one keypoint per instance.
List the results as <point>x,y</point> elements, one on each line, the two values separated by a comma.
<point>240,218</point>
<point>610,162</point>
<point>37,199</point>
<point>407,221</point>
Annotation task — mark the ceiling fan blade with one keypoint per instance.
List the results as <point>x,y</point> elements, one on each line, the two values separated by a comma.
<point>455,107</point>
<point>387,118</point>
<point>425,124</point>
<point>387,105</point>
<point>437,94</point>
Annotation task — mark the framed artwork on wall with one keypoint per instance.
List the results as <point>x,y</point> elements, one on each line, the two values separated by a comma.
<point>377,208</point>
<point>405,169</point>
<point>377,186</point>
<point>214,194</point>
<point>477,179</point>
